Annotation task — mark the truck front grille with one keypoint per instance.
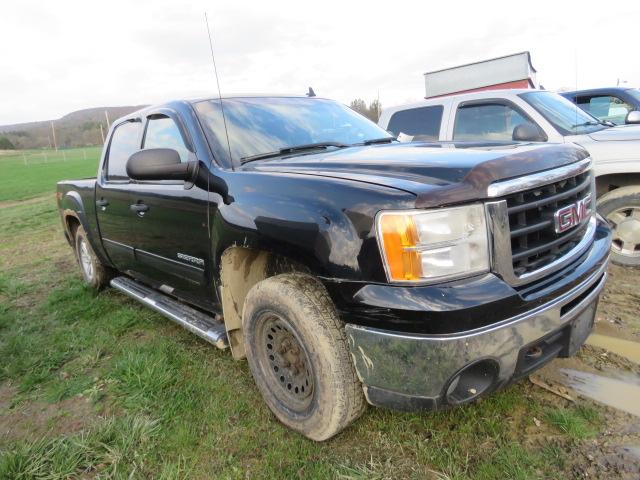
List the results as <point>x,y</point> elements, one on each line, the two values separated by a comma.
<point>534,241</point>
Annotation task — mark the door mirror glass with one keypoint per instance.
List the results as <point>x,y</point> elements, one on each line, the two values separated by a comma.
<point>527,132</point>
<point>159,164</point>
<point>633,117</point>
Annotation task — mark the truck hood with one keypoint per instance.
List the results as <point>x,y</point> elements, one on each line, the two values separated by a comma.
<point>615,134</point>
<point>437,173</point>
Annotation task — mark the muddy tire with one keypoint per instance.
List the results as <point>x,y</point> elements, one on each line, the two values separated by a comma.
<point>93,271</point>
<point>299,357</point>
<point>621,208</point>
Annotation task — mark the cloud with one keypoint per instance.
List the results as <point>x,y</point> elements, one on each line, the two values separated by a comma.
<point>62,56</point>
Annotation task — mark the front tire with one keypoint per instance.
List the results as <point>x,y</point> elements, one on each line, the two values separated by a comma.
<point>621,209</point>
<point>298,354</point>
<point>94,272</point>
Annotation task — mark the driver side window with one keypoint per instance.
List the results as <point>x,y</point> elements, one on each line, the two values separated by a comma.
<point>489,121</point>
<point>605,107</point>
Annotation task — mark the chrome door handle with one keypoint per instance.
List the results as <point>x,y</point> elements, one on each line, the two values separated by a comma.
<point>139,208</point>
<point>102,203</point>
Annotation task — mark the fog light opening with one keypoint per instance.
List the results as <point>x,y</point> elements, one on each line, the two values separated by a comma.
<point>471,382</point>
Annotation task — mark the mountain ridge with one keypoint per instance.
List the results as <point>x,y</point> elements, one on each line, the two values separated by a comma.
<point>75,129</point>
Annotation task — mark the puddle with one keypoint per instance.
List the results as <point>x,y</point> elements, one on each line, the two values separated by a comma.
<point>623,394</point>
<point>635,451</point>
<point>625,348</point>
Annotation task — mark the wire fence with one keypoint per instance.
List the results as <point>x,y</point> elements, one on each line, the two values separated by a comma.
<point>38,157</point>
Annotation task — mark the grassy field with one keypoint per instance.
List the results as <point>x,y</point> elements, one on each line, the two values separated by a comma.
<point>25,174</point>
<point>96,386</point>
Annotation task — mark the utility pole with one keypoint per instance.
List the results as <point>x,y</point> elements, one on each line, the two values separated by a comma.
<point>106,115</point>
<point>55,144</point>
<point>102,133</point>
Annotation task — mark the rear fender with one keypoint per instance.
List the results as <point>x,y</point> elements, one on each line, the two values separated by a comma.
<point>72,206</point>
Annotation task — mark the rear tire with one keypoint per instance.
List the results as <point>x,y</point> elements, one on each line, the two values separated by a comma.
<point>298,354</point>
<point>621,209</point>
<point>94,272</point>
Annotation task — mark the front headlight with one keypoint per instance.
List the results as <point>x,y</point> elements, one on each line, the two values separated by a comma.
<point>424,246</point>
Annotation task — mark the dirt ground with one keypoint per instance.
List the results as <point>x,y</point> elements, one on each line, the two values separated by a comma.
<point>615,453</point>
<point>33,420</point>
<point>619,310</point>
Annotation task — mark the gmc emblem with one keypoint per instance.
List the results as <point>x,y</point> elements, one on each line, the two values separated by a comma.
<point>572,215</point>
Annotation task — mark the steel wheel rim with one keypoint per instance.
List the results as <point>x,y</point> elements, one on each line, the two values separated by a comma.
<point>285,361</point>
<point>85,260</point>
<point>625,223</point>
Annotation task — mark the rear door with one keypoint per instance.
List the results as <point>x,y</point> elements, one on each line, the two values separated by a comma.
<point>172,244</point>
<point>113,197</point>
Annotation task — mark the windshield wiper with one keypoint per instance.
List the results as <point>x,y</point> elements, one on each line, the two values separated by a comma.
<point>589,123</point>
<point>294,149</point>
<point>373,141</point>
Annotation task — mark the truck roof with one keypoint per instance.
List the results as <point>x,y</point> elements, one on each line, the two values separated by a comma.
<point>190,101</point>
<point>501,93</point>
<point>595,91</point>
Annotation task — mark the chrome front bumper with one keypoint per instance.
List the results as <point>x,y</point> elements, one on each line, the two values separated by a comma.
<point>414,371</point>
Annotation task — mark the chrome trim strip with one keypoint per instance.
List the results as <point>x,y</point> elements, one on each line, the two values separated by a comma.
<point>168,260</point>
<point>505,187</point>
<point>118,244</point>
<point>422,365</point>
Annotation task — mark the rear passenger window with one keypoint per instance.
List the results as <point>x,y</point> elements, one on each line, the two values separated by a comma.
<point>423,121</point>
<point>486,122</point>
<point>124,142</point>
<point>162,132</point>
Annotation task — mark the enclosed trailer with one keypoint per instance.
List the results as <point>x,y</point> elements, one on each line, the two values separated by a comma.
<point>510,71</point>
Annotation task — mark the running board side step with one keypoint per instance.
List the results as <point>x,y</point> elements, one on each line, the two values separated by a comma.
<point>206,327</point>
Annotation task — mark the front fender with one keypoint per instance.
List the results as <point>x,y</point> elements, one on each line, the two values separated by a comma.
<point>325,224</point>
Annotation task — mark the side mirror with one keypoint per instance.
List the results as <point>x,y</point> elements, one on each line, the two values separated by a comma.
<point>528,132</point>
<point>160,164</point>
<point>633,117</point>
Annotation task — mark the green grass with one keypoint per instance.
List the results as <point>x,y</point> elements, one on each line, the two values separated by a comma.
<point>134,396</point>
<point>579,423</point>
<point>112,448</point>
<point>27,174</point>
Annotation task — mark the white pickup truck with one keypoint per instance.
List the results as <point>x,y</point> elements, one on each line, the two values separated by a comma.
<point>526,115</point>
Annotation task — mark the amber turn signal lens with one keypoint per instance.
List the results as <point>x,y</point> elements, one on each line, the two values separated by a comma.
<point>399,240</point>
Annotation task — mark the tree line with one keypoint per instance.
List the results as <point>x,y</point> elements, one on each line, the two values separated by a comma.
<point>372,112</point>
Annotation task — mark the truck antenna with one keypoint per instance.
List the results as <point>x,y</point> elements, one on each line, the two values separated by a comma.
<point>215,72</point>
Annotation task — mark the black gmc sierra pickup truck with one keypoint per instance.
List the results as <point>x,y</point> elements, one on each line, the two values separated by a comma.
<point>345,266</point>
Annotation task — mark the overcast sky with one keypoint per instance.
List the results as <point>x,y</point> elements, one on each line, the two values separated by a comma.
<point>61,56</point>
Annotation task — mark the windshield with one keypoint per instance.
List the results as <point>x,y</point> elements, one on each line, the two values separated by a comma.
<point>565,116</point>
<point>262,125</point>
<point>635,93</point>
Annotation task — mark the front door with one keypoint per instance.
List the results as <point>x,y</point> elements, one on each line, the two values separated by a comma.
<point>113,198</point>
<point>172,244</point>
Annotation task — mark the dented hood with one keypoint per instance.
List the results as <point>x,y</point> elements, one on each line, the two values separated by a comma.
<point>437,173</point>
